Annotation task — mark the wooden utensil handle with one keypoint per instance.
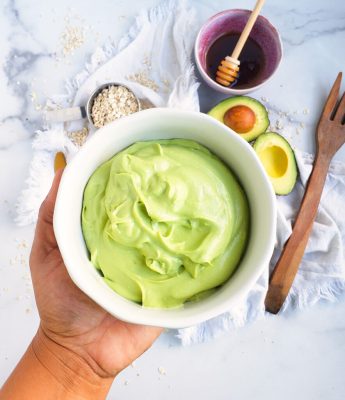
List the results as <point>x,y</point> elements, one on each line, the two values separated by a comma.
<point>247,29</point>
<point>287,266</point>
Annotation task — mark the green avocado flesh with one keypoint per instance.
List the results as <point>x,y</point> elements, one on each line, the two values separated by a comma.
<point>165,222</point>
<point>261,116</point>
<point>278,160</point>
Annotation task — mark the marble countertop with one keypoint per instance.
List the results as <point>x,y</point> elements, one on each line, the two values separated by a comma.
<point>298,355</point>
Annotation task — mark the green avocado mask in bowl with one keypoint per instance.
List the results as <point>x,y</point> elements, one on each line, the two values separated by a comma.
<point>162,197</point>
<point>165,222</point>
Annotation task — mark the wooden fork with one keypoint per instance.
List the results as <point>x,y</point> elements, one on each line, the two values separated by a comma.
<point>330,136</point>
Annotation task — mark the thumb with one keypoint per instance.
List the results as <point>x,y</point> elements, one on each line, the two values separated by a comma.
<point>44,240</point>
<point>46,212</point>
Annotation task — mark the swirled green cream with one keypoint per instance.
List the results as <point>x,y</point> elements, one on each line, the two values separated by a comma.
<point>165,222</point>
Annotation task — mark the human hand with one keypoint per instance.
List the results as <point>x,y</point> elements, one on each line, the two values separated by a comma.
<point>69,319</point>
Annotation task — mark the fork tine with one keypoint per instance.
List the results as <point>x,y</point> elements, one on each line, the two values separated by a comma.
<point>332,98</point>
<point>340,113</point>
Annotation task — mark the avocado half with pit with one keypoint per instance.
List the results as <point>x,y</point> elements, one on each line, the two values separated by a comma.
<point>244,115</point>
<point>278,160</point>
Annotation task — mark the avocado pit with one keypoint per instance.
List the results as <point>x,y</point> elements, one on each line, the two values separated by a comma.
<point>244,115</point>
<point>241,119</point>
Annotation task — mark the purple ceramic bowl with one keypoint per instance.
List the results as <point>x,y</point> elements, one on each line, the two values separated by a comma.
<point>233,21</point>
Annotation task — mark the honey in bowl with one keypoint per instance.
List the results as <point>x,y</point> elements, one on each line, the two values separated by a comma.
<point>252,59</point>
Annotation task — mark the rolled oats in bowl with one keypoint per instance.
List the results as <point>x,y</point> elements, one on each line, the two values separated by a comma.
<point>111,103</point>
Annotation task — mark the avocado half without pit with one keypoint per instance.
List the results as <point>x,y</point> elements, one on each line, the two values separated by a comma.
<point>244,115</point>
<point>278,160</point>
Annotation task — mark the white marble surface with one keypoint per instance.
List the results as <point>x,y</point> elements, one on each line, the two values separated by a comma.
<point>300,355</point>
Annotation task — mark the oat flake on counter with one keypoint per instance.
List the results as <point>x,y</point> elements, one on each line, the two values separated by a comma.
<point>79,137</point>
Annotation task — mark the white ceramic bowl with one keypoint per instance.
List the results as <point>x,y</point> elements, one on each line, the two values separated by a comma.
<point>154,124</point>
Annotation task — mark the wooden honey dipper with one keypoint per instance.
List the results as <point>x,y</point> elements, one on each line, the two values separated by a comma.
<point>228,69</point>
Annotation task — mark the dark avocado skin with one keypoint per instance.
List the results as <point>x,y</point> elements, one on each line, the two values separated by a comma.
<point>261,123</point>
<point>284,184</point>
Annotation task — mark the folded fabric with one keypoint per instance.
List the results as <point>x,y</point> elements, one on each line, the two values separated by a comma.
<point>154,60</point>
<point>322,272</point>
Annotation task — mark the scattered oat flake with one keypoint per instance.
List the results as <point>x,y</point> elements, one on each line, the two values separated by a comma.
<point>79,137</point>
<point>264,99</point>
<point>279,124</point>
<point>162,370</point>
<point>28,310</point>
<point>126,382</point>
<point>302,125</point>
<point>306,111</point>
<point>72,38</point>
<point>143,79</point>
<point>146,61</point>
<point>21,244</point>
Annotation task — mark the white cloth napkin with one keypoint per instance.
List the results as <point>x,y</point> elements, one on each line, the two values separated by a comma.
<point>321,274</point>
<point>158,49</point>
